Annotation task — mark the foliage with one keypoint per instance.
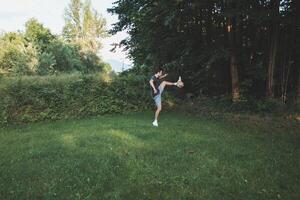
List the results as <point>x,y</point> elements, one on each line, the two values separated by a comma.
<point>221,106</point>
<point>84,26</point>
<point>67,57</point>
<point>46,64</point>
<point>35,98</point>
<point>36,33</point>
<point>193,38</point>
<point>14,57</point>
<point>38,51</point>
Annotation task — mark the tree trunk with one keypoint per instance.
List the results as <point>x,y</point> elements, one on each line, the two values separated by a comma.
<point>298,88</point>
<point>233,59</point>
<point>209,23</point>
<point>297,49</point>
<point>273,49</point>
<point>294,84</point>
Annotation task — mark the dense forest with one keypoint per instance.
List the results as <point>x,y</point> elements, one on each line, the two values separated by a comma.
<point>242,48</point>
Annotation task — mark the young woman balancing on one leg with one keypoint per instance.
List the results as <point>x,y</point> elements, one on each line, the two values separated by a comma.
<point>157,88</point>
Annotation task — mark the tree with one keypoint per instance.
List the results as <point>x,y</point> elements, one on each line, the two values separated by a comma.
<point>84,26</point>
<point>231,28</point>
<point>233,34</point>
<point>274,32</point>
<point>296,49</point>
<point>36,33</point>
<point>13,54</point>
<point>67,57</point>
<point>47,63</point>
<point>216,45</point>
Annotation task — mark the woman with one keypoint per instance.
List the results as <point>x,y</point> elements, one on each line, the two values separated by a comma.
<point>157,87</point>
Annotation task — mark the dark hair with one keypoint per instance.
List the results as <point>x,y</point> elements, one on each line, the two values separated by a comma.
<point>158,70</point>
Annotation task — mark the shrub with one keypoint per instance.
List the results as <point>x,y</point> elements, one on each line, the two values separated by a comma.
<point>36,98</point>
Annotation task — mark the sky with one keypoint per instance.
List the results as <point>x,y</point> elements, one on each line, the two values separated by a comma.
<point>14,14</point>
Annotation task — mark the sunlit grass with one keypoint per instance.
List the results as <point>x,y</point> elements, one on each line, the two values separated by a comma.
<point>124,157</point>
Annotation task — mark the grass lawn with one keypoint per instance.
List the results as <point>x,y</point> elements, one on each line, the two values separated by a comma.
<point>124,157</point>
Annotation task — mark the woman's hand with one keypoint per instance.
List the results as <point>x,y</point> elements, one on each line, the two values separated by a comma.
<point>163,76</point>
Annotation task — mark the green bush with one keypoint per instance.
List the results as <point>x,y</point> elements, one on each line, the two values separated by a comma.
<point>36,98</point>
<point>13,59</point>
<point>46,63</point>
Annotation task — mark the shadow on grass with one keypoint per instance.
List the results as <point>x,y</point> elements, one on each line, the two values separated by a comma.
<point>126,158</point>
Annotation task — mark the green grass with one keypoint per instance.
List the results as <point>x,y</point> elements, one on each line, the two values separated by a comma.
<point>124,157</point>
